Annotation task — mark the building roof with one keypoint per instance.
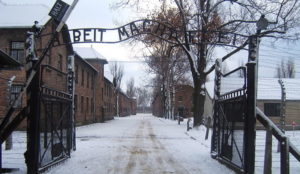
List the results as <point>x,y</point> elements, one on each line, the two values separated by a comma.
<point>77,56</point>
<point>7,61</point>
<point>22,15</point>
<point>108,74</point>
<point>107,80</point>
<point>88,53</point>
<point>268,88</point>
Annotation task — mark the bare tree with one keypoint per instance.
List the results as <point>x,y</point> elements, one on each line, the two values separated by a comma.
<point>142,98</point>
<point>202,22</point>
<point>117,72</point>
<point>286,69</point>
<point>131,90</point>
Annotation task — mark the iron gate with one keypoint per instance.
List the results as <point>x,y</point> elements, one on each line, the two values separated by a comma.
<point>230,129</point>
<point>53,122</point>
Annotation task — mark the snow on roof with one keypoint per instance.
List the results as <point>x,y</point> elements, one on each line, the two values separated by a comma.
<point>107,73</point>
<point>22,15</point>
<point>88,53</point>
<point>268,88</point>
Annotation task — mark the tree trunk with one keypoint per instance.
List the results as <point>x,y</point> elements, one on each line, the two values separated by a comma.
<point>198,100</point>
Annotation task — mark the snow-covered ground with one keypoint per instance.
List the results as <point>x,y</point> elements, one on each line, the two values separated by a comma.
<point>138,145</point>
<point>143,144</point>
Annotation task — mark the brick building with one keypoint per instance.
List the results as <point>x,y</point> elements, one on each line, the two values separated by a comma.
<point>127,105</point>
<point>133,104</point>
<point>109,100</point>
<point>89,86</point>
<point>13,34</point>
<point>157,106</point>
<point>268,98</point>
<point>7,65</point>
<point>182,102</point>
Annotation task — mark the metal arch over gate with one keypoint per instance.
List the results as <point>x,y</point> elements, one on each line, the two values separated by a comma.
<point>50,123</point>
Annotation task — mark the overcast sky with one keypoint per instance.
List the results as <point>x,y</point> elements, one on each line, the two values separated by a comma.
<point>98,14</point>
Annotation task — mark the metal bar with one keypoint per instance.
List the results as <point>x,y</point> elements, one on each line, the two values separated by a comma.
<point>235,70</point>
<point>268,152</point>
<point>264,120</point>
<point>33,128</point>
<point>249,138</point>
<point>284,156</point>
<point>12,125</point>
<point>1,157</point>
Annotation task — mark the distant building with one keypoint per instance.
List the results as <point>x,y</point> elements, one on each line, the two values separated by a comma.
<point>157,106</point>
<point>133,105</point>
<point>127,105</point>
<point>182,102</point>
<point>268,97</point>
<point>89,84</point>
<point>95,98</point>
<point>109,100</point>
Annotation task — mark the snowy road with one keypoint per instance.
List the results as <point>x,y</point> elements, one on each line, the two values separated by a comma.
<point>140,144</point>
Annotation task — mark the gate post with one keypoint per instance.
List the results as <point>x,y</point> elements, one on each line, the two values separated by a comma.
<point>33,136</point>
<point>250,120</point>
<point>33,105</point>
<point>215,140</point>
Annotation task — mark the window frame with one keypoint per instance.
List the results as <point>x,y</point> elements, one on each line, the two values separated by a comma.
<point>18,57</point>
<point>272,109</point>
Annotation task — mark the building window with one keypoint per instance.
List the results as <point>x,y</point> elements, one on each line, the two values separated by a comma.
<point>17,51</point>
<point>81,104</point>
<point>87,79</point>
<point>76,74</point>
<point>92,81</point>
<point>87,105</point>
<point>180,98</point>
<point>14,92</point>
<point>272,109</point>
<point>92,105</point>
<point>82,77</point>
<point>59,62</point>
<point>75,102</point>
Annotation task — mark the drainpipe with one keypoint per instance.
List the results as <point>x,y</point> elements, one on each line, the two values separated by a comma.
<point>94,98</point>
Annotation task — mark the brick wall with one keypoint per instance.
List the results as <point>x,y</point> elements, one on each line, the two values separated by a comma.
<point>84,100</point>
<point>157,106</point>
<point>126,105</point>
<point>98,64</point>
<point>56,57</point>
<point>184,100</point>
<point>109,100</point>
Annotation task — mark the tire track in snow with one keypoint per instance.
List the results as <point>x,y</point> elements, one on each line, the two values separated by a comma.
<point>148,155</point>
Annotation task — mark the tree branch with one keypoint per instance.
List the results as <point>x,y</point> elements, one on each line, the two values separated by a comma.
<point>227,56</point>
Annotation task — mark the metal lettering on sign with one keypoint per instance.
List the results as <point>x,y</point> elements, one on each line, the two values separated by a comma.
<point>58,10</point>
<point>155,28</point>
